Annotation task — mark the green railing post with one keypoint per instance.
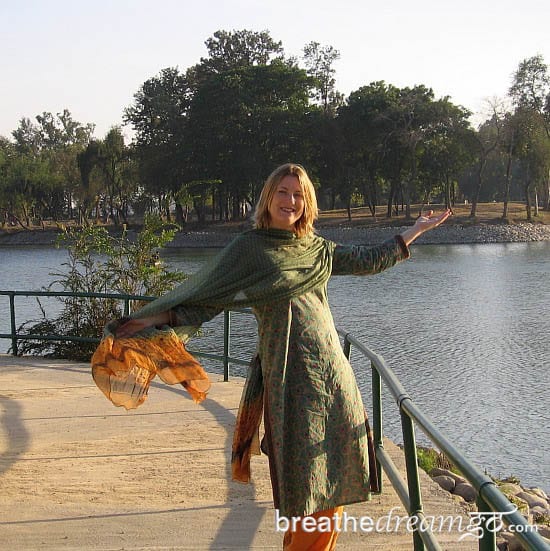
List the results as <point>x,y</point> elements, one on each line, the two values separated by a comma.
<point>347,348</point>
<point>12,324</point>
<point>413,480</point>
<point>488,540</point>
<point>377,427</point>
<point>226,343</point>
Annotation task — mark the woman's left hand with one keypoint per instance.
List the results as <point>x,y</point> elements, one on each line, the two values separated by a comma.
<point>424,222</point>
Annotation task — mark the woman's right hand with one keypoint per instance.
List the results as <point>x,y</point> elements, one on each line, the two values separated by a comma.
<point>134,325</point>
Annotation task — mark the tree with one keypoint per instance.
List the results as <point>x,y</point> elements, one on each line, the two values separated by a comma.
<point>532,149</point>
<point>448,150</point>
<point>51,146</point>
<point>365,126</point>
<point>319,61</point>
<point>229,50</point>
<point>530,94</point>
<point>159,118</point>
<point>89,192</point>
<point>531,84</point>
<point>488,138</point>
<point>112,157</point>
<point>243,122</point>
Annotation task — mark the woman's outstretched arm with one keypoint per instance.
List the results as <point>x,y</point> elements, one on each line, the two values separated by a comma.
<point>424,223</point>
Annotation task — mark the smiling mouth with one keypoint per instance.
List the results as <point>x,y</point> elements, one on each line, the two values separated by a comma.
<point>288,211</point>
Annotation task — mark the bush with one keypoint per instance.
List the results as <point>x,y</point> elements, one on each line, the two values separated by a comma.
<point>429,459</point>
<point>100,263</point>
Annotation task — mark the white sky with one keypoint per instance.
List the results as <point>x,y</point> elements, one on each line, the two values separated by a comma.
<point>91,57</point>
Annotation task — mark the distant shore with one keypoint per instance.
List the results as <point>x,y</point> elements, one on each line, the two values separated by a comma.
<point>219,236</point>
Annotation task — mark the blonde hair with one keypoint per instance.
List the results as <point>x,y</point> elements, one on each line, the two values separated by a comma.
<point>304,225</point>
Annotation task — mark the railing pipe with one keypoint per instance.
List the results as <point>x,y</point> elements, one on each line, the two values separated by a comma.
<point>483,485</point>
<point>347,348</point>
<point>413,481</point>
<point>12,324</point>
<point>488,540</point>
<point>377,419</point>
<point>226,343</point>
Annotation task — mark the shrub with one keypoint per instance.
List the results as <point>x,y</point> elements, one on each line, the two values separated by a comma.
<point>100,263</point>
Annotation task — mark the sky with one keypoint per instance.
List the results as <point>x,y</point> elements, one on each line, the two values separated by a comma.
<point>92,57</point>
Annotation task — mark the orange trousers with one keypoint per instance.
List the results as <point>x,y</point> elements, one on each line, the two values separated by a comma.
<point>322,539</point>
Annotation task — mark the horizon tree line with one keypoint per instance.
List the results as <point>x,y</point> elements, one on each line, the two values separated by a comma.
<point>206,138</point>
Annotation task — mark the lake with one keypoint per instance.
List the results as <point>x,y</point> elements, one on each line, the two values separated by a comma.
<point>466,328</point>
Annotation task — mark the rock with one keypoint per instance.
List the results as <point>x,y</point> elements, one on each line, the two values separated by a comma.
<point>538,510</point>
<point>515,545</point>
<point>523,507</point>
<point>466,491</point>
<point>533,500</point>
<point>511,543</point>
<point>539,492</point>
<point>436,471</point>
<point>509,489</point>
<point>444,472</point>
<point>543,530</point>
<point>446,482</point>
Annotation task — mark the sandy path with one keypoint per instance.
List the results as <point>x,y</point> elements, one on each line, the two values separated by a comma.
<point>78,473</point>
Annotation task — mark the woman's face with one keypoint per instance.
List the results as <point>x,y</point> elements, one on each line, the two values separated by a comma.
<point>287,204</point>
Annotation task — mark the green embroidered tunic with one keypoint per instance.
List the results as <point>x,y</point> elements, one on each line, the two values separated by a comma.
<point>313,412</point>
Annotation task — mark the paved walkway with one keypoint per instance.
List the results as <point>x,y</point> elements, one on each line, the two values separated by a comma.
<point>78,473</point>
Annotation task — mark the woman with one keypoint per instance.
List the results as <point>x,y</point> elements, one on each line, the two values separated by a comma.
<point>315,432</point>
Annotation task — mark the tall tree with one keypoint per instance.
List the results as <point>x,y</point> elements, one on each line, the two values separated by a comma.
<point>319,61</point>
<point>365,125</point>
<point>233,49</point>
<point>530,93</point>
<point>244,121</point>
<point>448,150</point>
<point>113,155</point>
<point>531,84</point>
<point>158,116</point>
<point>488,138</point>
<point>52,143</point>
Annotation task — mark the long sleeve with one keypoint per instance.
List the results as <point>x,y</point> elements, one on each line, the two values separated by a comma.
<point>192,315</point>
<point>368,260</point>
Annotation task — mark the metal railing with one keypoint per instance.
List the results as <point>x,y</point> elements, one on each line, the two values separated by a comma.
<point>491,502</point>
<point>15,336</point>
<point>493,506</point>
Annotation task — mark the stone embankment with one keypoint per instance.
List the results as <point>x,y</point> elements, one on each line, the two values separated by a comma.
<point>445,234</point>
<point>532,503</point>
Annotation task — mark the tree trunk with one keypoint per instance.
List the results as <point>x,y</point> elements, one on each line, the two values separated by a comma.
<point>235,208</point>
<point>180,219</point>
<point>475,198</point>
<point>528,200</point>
<point>507,187</point>
<point>447,192</point>
<point>406,196</point>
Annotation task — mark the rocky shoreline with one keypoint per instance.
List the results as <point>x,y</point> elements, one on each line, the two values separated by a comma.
<point>532,503</point>
<point>443,235</point>
<point>217,237</point>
